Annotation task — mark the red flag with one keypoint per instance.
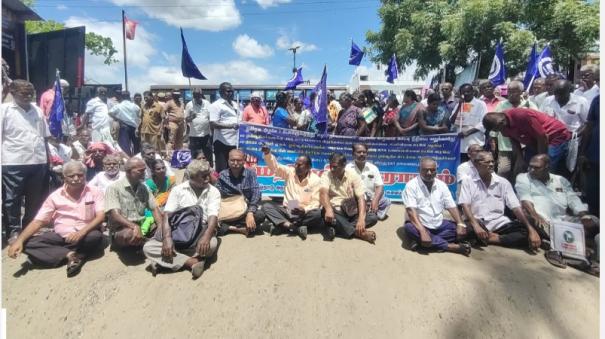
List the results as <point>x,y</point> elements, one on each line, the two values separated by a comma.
<point>130,26</point>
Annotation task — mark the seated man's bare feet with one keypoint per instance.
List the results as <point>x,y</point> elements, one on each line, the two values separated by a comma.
<point>368,236</point>
<point>240,230</point>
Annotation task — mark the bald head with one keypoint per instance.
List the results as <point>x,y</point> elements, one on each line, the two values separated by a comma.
<point>495,121</point>
<point>562,91</point>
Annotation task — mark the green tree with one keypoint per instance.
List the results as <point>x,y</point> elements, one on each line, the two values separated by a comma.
<point>438,32</point>
<point>96,44</point>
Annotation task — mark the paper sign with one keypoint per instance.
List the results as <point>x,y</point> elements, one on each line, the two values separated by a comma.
<point>568,238</point>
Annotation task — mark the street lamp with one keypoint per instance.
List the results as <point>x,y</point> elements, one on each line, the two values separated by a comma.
<point>294,49</point>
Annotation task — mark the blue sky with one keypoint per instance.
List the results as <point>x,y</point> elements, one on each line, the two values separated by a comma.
<point>242,41</point>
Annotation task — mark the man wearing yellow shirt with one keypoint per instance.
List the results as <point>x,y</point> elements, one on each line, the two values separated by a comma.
<point>300,208</point>
<point>342,196</point>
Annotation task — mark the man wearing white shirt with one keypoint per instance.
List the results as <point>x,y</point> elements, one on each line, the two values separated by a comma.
<point>128,115</point>
<point>467,169</point>
<point>483,200</point>
<point>467,120</point>
<point>425,197</point>
<point>97,114</point>
<point>590,82</point>
<point>568,108</point>
<point>25,174</point>
<point>224,120</point>
<point>160,250</point>
<point>372,180</point>
<point>198,117</point>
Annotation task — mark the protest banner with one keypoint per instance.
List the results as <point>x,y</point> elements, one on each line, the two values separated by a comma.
<point>396,158</point>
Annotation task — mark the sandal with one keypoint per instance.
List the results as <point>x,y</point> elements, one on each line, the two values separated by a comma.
<point>464,249</point>
<point>74,265</point>
<point>556,259</point>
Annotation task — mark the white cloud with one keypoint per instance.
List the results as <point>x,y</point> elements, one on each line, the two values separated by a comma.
<point>61,7</point>
<point>271,3</point>
<point>247,47</point>
<point>208,15</point>
<point>284,42</point>
<point>140,50</point>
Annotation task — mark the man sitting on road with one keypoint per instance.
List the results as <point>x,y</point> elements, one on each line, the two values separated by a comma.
<point>196,191</point>
<point>75,212</point>
<point>125,204</point>
<point>467,169</point>
<point>483,199</point>
<point>300,208</point>
<point>374,186</point>
<point>342,196</point>
<point>425,197</point>
<point>237,182</point>
<point>546,197</point>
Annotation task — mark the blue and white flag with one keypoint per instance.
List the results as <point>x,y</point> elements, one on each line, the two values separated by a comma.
<point>392,71</point>
<point>356,54</point>
<point>188,67</point>
<point>544,66</point>
<point>531,67</point>
<point>296,80</point>
<point>319,107</point>
<point>57,111</point>
<point>497,73</point>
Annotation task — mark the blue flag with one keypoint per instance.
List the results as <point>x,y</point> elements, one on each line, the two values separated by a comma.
<point>188,67</point>
<point>392,71</point>
<point>296,80</point>
<point>319,107</point>
<point>544,66</point>
<point>531,67</point>
<point>497,74</point>
<point>356,54</point>
<point>57,111</point>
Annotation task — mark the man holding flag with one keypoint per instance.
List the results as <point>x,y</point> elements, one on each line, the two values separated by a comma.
<point>24,156</point>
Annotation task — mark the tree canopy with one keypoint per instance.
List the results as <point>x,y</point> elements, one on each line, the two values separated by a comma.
<point>96,44</point>
<point>438,32</point>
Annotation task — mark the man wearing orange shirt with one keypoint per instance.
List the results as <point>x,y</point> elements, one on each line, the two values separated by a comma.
<point>255,112</point>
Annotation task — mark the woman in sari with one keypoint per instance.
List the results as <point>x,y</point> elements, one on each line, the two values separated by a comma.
<point>350,119</point>
<point>160,184</point>
<point>407,122</point>
<point>434,119</point>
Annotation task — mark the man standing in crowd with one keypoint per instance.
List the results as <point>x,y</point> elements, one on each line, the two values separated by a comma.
<point>25,174</point>
<point>137,99</point>
<point>97,115</point>
<point>176,122</point>
<point>255,112</point>
<point>151,122</point>
<point>224,118</point>
<point>300,208</point>
<point>588,158</point>
<point>75,212</point>
<point>342,196</point>
<point>372,180</point>
<point>483,199</point>
<point>198,117</point>
<point>196,191</point>
<point>589,83</point>
<point>48,97</point>
<point>503,144</point>
<point>539,132</point>
<point>488,96</point>
<point>125,203</point>
<point>128,115</point>
<point>466,120</point>
<point>448,100</point>
<point>239,181</point>
<point>569,108</point>
<point>425,197</point>
<point>538,92</point>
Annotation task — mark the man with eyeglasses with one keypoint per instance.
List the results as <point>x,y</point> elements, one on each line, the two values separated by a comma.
<point>75,212</point>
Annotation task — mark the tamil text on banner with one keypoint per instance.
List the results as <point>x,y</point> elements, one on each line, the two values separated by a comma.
<point>397,158</point>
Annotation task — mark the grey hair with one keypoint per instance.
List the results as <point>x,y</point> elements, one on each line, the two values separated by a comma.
<point>592,67</point>
<point>70,165</point>
<point>197,167</point>
<point>516,84</point>
<point>427,159</point>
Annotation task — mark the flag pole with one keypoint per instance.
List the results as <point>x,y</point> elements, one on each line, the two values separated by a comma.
<point>124,46</point>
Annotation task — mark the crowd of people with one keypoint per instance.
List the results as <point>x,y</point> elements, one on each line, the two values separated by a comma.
<point>527,160</point>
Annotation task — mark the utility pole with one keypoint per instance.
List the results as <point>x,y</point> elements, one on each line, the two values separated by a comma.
<point>294,49</point>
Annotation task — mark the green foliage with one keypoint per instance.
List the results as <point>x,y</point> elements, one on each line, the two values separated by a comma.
<point>437,32</point>
<point>95,43</point>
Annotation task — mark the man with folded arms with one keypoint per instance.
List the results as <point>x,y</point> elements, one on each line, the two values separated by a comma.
<point>300,208</point>
<point>195,191</point>
<point>483,199</point>
<point>125,204</point>
<point>425,197</point>
<point>75,211</point>
<point>340,192</point>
